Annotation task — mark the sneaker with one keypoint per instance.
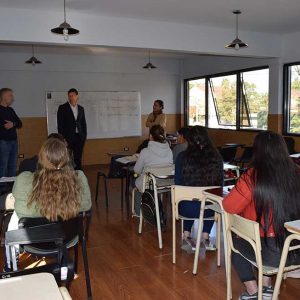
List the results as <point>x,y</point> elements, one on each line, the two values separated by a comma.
<point>246,296</point>
<point>267,292</point>
<point>6,268</point>
<point>209,246</point>
<point>188,245</point>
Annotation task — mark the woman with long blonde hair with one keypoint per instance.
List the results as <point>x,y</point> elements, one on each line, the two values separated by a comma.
<point>55,191</point>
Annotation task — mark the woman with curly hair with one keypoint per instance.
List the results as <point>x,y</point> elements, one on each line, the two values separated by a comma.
<point>55,191</point>
<point>199,165</point>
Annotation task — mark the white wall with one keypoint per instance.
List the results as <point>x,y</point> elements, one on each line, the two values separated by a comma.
<point>207,65</point>
<point>59,72</point>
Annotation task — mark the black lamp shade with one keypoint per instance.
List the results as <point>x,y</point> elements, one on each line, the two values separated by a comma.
<point>236,42</point>
<point>62,26</point>
<point>33,61</point>
<point>149,66</point>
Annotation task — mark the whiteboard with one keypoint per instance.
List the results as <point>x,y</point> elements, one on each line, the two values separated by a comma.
<point>108,114</point>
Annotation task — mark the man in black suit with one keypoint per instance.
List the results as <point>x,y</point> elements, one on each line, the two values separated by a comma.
<point>71,125</point>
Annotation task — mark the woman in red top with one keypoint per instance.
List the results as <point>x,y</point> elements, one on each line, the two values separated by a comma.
<point>268,193</point>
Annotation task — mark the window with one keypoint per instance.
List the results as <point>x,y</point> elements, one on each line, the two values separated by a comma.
<point>196,109</point>
<point>254,99</point>
<point>222,102</point>
<point>237,100</point>
<point>292,98</point>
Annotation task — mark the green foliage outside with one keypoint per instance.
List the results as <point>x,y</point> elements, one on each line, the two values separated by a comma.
<point>225,95</point>
<point>295,101</point>
<point>258,105</point>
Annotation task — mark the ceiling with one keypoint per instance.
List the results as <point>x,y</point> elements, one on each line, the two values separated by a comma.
<point>273,16</point>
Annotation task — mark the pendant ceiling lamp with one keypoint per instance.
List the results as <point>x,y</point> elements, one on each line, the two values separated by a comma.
<point>65,28</point>
<point>149,65</point>
<point>33,60</point>
<point>236,43</point>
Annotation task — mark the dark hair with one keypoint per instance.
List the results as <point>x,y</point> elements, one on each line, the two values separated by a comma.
<point>184,131</point>
<point>160,103</point>
<point>202,164</point>
<point>276,184</point>
<point>158,134</point>
<point>72,91</point>
<point>4,90</point>
<point>56,136</point>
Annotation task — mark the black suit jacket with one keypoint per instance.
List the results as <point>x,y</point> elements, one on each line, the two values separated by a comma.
<point>66,123</point>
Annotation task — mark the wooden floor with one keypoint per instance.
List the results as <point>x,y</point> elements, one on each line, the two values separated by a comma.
<point>125,265</point>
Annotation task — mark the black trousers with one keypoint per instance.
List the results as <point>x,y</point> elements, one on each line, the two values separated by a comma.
<point>270,253</point>
<point>76,147</point>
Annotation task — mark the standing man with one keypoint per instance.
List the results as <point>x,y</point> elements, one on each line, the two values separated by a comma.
<point>9,122</point>
<point>71,125</point>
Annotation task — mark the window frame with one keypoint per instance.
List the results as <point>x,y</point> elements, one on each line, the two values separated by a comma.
<point>238,93</point>
<point>286,99</point>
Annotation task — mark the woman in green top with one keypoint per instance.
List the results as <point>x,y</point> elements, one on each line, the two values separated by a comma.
<point>55,191</point>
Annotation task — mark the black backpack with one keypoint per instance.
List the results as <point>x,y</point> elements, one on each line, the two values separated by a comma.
<point>148,209</point>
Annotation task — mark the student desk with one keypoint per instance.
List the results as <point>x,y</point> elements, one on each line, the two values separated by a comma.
<point>30,287</point>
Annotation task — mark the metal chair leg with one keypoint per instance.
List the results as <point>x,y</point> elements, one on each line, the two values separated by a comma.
<point>86,268</point>
<point>122,192</point>
<point>97,188</point>
<point>76,258</point>
<point>106,193</point>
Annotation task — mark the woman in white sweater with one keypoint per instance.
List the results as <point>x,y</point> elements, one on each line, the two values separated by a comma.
<point>157,153</point>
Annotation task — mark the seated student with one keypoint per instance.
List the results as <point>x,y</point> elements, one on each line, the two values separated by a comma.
<point>267,193</point>
<point>181,142</point>
<point>30,164</point>
<point>158,152</point>
<point>55,191</point>
<point>199,165</point>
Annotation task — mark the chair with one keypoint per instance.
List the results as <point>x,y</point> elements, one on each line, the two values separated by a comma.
<point>228,153</point>
<point>188,193</point>
<point>34,236</point>
<point>5,216</point>
<point>249,231</point>
<point>162,177</point>
<point>116,171</point>
<point>75,231</point>
<point>246,156</point>
<point>290,143</point>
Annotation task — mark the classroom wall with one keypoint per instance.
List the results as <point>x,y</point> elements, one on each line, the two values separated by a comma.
<point>89,72</point>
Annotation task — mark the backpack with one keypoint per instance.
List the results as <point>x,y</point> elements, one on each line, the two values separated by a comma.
<point>148,209</point>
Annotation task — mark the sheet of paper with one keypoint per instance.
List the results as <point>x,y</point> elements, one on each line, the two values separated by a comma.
<point>127,159</point>
<point>7,179</point>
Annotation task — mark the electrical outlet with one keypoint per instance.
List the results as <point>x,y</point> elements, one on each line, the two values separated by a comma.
<point>21,156</point>
<point>126,148</point>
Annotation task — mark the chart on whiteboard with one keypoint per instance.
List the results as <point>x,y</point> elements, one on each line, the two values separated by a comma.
<point>108,114</point>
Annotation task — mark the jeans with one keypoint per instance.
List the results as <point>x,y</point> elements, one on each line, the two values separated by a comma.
<point>8,158</point>
<point>191,209</point>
